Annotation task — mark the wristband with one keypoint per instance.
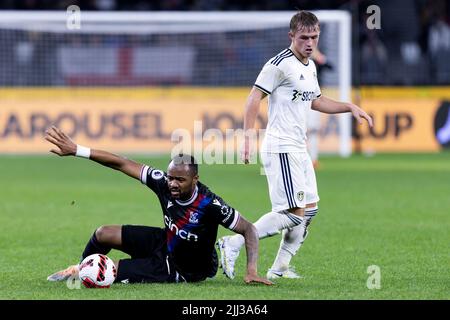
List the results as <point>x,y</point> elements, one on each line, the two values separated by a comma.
<point>83,152</point>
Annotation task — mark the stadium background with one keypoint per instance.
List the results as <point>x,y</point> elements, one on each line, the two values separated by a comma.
<point>400,75</point>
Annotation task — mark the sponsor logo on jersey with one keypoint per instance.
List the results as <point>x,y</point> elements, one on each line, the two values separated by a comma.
<point>217,203</point>
<point>296,95</point>
<point>307,96</point>
<point>157,174</point>
<point>183,234</point>
<point>302,77</point>
<point>169,204</point>
<point>304,96</point>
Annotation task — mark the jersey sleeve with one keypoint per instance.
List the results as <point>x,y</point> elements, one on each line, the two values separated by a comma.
<point>153,178</point>
<point>269,78</point>
<point>224,214</point>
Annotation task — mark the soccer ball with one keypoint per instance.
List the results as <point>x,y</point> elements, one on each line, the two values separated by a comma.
<point>97,271</point>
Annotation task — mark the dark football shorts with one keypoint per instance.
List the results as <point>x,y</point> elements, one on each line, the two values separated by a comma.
<point>149,257</point>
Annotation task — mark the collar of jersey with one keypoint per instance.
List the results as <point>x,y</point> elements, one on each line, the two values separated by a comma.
<point>191,199</point>
<point>298,58</point>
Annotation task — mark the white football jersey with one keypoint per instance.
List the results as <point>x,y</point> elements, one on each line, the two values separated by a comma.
<point>291,86</point>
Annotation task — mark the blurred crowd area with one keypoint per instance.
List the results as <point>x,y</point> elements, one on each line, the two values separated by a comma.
<point>412,47</point>
<point>178,5</point>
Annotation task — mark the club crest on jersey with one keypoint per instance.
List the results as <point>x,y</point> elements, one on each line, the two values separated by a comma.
<point>300,195</point>
<point>193,218</point>
<point>157,174</point>
<point>302,77</point>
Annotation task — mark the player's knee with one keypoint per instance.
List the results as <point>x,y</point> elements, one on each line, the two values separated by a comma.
<point>297,211</point>
<point>311,205</point>
<point>106,234</point>
<point>100,233</point>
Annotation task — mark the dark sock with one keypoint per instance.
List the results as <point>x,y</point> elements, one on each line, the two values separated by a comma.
<point>94,246</point>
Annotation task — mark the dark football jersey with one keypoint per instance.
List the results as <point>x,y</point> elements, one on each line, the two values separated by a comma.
<point>191,225</point>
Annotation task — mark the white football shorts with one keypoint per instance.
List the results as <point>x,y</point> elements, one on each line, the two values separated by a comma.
<point>291,180</point>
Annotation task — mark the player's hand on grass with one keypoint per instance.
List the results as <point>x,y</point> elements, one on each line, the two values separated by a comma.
<point>359,113</point>
<point>66,147</point>
<point>252,278</point>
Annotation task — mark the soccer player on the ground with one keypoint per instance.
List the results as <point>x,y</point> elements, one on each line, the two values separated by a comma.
<point>182,252</point>
<point>290,79</point>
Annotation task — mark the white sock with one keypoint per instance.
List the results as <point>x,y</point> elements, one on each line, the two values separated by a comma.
<point>269,225</point>
<point>291,241</point>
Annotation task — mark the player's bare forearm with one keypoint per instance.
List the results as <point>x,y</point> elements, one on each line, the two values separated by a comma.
<point>67,147</point>
<point>251,245</point>
<point>250,234</point>
<point>251,112</point>
<point>127,166</point>
<point>330,106</point>
<point>252,108</point>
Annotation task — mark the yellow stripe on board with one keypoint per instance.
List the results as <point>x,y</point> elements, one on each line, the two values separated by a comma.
<point>405,92</point>
<point>143,119</point>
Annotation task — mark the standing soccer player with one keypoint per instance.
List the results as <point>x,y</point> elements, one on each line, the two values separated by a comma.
<point>290,79</point>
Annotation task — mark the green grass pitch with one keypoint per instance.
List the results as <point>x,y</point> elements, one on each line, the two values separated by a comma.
<point>392,211</point>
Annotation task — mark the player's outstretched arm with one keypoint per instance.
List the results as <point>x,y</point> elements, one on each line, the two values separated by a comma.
<point>327,105</point>
<point>67,147</point>
<point>250,234</point>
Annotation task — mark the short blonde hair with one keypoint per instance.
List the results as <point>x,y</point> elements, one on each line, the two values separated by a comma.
<point>304,20</point>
